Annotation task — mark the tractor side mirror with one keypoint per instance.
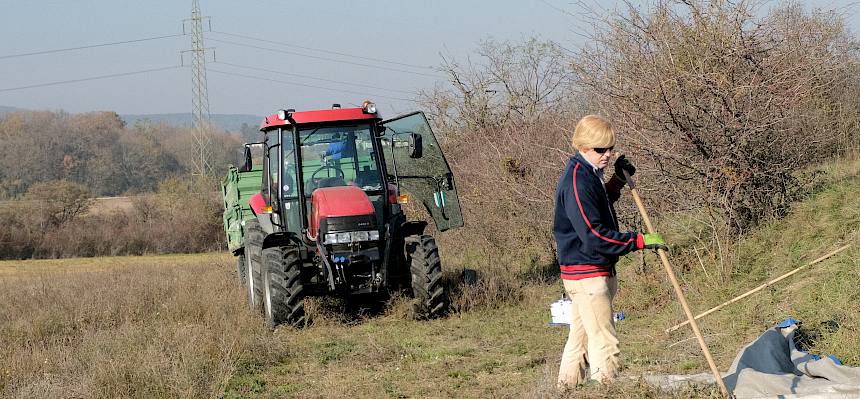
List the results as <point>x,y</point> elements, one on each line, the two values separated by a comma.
<point>416,145</point>
<point>247,164</point>
<point>380,131</point>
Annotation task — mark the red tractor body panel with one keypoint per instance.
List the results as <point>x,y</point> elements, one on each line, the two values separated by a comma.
<point>336,202</point>
<point>326,115</point>
<point>257,203</point>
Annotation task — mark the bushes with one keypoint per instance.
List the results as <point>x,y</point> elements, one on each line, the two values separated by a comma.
<point>723,105</point>
<point>176,219</point>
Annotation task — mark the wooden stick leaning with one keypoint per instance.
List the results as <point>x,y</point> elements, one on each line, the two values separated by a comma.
<point>668,266</point>
<point>759,288</point>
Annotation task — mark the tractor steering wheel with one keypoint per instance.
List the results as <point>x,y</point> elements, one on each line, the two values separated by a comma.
<point>338,172</point>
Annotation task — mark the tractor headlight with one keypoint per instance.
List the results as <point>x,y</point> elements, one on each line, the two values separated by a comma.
<point>354,236</point>
<point>360,236</point>
<point>343,238</point>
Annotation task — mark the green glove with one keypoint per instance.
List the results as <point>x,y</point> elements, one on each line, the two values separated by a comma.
<point>622,163</point>
<point>654,241</point>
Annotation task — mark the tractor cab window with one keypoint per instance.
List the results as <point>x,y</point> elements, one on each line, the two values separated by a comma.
<point>271,192</point>
<point>339,156</point>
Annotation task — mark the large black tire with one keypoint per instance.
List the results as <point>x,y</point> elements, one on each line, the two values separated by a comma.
<point>283,291</point>
<point>253,259</point>
<point>241,269</point>
<point>425,268</point>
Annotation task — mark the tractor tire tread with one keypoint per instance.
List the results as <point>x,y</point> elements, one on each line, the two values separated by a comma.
<point>283,276</point>
<point>425,268</point>
<point>254,236</point>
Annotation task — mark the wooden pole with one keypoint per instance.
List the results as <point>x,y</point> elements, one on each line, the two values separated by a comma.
<point>678,291</point>
<point>759,288</point>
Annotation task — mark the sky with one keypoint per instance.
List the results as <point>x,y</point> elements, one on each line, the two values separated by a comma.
<point>252,76</point>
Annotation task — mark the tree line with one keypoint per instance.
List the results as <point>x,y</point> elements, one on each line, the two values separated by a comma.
<point>53,164</point>
<point>99,151</point>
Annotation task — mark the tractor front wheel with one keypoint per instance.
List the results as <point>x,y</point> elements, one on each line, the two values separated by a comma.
<point>283,291</point>
<point>425,267</point>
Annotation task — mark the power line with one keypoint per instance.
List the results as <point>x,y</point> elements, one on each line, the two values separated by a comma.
<point>325,51</point>
<point>116,75</point>
<point>307,85</point>
<point>322,58</point>
<point>59,50</point>
<point>315,78</point>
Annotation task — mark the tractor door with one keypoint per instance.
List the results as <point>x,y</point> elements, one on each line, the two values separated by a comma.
<point>424,174</point>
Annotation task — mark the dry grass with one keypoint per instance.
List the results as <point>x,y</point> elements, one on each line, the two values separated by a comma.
<point>177,326</point>
<point>121,328</point>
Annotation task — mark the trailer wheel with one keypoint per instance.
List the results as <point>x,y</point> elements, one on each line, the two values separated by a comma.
<point>431,301</point>
<point>253,260</point>
<point>283,291</point>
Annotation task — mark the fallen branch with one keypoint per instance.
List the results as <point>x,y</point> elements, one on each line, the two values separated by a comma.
<point>759,288</point>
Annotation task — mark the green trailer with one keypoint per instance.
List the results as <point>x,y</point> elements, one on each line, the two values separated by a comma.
<point>237,188</point>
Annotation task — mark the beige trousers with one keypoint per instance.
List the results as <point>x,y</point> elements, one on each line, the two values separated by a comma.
<point>592,341</point>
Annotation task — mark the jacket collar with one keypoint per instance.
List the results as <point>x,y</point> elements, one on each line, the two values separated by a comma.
<point>587,165</point>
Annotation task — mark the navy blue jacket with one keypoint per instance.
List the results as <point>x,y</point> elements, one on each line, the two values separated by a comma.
<point>585,226</point>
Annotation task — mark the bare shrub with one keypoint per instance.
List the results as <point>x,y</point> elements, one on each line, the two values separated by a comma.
<point>511,82</point>
<point>57,202</point>
<point>505,130</point>
<point>176,219</point>
<point>723,106</point>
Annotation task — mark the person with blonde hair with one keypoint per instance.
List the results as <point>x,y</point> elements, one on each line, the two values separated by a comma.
<point>589,244</point>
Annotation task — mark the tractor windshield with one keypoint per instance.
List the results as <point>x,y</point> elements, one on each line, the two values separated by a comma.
<point>339,156</point>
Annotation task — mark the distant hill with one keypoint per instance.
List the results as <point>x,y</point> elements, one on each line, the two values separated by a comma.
<point>231,122</point>
<point>6,110</point>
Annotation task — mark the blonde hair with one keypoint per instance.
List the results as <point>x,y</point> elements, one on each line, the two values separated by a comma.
<point>593,131</point>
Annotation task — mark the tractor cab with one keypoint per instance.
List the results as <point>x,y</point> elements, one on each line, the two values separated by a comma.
<point>341,148</point>
<point>332,186</point>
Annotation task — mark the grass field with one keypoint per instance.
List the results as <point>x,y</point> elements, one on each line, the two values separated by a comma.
<point>178,326</point>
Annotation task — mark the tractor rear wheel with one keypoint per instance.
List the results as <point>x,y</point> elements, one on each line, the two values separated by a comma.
<point>425,268</point>
<point>283,291</point>
<point>254,236</point>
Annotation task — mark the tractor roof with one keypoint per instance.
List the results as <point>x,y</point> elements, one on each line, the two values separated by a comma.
<point>325,115</point>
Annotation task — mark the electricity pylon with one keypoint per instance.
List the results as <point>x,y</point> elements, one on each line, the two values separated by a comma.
<point>199,92</point>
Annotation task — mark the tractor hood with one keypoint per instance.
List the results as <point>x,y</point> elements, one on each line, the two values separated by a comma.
<point>337,202</point>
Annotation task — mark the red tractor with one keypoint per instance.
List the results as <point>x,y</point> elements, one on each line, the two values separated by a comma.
<point>328,219</point>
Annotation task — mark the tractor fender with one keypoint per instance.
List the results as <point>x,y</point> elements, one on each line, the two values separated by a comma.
<point>264,215</point>
<point>279,239</point>
<point>412,228</point>
<point>265,220</point>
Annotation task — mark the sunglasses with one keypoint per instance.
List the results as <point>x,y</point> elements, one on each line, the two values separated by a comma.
<point>602,150</point>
